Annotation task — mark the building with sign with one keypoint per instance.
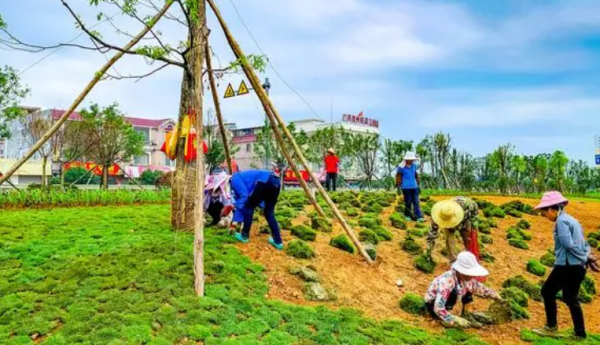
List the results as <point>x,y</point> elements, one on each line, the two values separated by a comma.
<point>245,139</point>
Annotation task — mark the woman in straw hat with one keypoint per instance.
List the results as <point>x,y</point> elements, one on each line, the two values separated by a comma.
<point>332,166</point>
<point>458,283</point>
<point>572,257</point>
<point>407,179</point>
<point>456,214</point>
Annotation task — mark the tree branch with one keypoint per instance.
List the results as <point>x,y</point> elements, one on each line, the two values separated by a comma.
<point>138,77</point>
<point>16,44</point>
<point>113,47</point>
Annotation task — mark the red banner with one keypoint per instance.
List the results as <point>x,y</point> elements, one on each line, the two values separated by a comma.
<point>290,177</point>
<point>113,170</point>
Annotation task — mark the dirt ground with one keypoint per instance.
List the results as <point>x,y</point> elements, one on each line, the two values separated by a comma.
<point>373,289</point>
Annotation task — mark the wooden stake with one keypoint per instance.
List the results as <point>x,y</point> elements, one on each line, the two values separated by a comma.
<point>85,92</point>
<point>268,105</point>
<point>215,96</point>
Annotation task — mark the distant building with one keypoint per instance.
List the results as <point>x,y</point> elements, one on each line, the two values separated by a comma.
<point>19,143</point>
<point>245,139</point>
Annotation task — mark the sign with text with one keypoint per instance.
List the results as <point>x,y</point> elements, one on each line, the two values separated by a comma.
<point>360,119</point>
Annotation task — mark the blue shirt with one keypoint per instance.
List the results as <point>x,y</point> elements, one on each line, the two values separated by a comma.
<point>409,176</point>
<point>569,244</point>
<point>243,184</point>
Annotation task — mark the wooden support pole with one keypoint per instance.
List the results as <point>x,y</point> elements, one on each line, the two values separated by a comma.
<point>269,108</point>
<point>97,76</point>
<point>215,96</point>
<point>293,165</point>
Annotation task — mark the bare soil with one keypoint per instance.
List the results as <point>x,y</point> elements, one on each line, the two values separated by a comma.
<point>373,289</point>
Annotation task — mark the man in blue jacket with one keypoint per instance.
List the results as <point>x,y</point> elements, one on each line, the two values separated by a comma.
<point>252,188</point>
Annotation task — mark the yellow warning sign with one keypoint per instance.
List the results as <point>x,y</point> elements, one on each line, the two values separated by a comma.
<point>229,92</point>
<point>243,90</point>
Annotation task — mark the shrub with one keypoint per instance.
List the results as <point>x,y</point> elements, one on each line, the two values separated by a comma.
<point>284,222</point>
<point>484,227</point>
<point>400,208</point>
<point>589,284</point>
<point>398,221</point>
<point>382,233</point>
<point>518,312</point>
<point>518,206</point>
<point>513,232</point>
<point>372,252</point>
<point>525,235</point>
<point>594,236</point>
<point>413,304</point>
<point>421,226</point>
<point>514,213</point>
<point>417,232</point>
<point>548,259</point>
<point>303,232</point>
<point>535,267</point>
<point>487,257</point>
<point>383,202</point>
<point>593,243</point>
<point>492,222</point>
<point>494,211</point>
<point>342,242</point>
<point>584,296</point>
<point>533,290</point>
<point>77,174</point>
<point>373,208</point>
<point>351,212</point>
<point>515,294</point>
<point>411,246</point>
<point>523,224</point>
<point>518,243</point>
<point>321,224</point>
<point>344,206</point>
<point>300,250</point>
<point>285,212</point>
<point>424,263</point>
<point>487,239</point>
<point>367,222</point>
<point>368,236</point>
<point>149,177</point>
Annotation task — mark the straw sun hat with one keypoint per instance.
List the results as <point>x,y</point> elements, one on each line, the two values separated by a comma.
<point>447,214</point>
<point>332,151</point>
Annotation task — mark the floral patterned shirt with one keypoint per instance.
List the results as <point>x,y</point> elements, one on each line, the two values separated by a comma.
<point>442,286</point>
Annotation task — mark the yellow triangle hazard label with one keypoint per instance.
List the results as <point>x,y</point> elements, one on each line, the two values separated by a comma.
<point>243,90</point>
<point>229,92</point>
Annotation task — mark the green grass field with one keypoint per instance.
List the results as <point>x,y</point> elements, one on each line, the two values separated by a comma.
<point>119,275</point>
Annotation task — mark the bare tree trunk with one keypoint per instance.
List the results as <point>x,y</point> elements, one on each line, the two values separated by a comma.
<point>105,176</point>
<point>185,180</point>
<point>44,177</point>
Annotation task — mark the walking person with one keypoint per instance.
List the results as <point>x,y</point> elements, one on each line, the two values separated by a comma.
<point>252,188</point>
<point>407,179</point>
<point>332,166</point>
<point>572,257</point>
<point>456,214</point>
<point>458,283</point>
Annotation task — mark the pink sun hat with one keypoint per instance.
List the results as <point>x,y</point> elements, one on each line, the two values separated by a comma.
<point>551,199</point>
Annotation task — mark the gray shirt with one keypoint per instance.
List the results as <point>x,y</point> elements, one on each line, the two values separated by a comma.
<point>569,243</point>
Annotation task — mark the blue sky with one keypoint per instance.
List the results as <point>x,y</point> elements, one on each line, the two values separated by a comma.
<point>487,72</point>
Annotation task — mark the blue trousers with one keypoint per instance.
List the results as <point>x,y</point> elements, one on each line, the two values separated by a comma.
<point>411,200</point>
<point>267,192</point>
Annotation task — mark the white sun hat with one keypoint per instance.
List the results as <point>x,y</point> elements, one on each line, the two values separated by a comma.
<point>466,263</point>
<point>409,156</point>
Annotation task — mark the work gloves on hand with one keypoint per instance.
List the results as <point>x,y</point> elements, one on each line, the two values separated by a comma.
<point>226,211</point>
<point>592,263</point>
<point>461,323</point>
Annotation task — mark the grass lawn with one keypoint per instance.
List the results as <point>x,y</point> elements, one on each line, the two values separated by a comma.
<point>119,275</point>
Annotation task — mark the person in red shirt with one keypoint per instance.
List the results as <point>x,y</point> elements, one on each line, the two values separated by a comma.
<point>332,163</point>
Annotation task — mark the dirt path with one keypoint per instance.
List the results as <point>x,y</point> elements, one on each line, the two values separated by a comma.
<point>374,291</point>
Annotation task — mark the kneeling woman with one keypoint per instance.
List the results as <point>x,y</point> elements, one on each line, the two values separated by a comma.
<point>458,283</point>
